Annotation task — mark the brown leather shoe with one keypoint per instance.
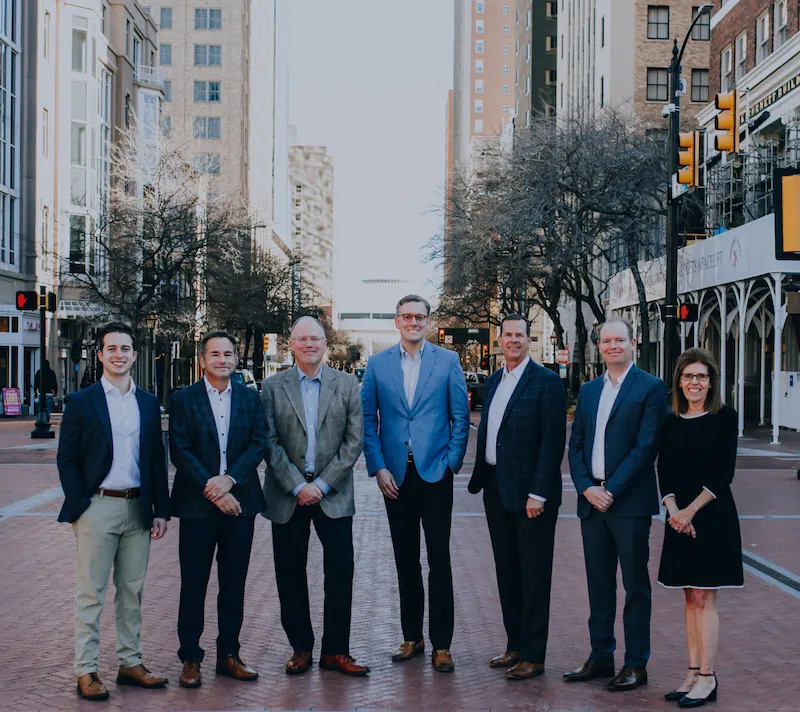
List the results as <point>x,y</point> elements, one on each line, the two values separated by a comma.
<point>524,670</point>
<point>409,649</point>
<point>442,661</point>
<point>299,663</point>
<point>190,676</point>
<point>91,687</point>
<point>506,660</point>
<point>344,664</point>
<point>140,676</point>
<point>232,666</point>
<point>629,678</point>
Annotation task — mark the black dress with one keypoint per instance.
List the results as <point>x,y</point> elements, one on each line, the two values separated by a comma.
<point>700,453</point>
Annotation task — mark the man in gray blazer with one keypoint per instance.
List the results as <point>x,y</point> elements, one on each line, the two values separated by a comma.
<point>315,432</point>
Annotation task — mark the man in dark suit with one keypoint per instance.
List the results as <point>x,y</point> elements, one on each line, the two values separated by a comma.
<point>217,441</point>
<point>518,465</point>
<point>315,432</point>
<point>112,468</point>
<point>611,453</point>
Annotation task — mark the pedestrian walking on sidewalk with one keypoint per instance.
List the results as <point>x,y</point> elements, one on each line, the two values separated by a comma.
<point>518,465</point>
<point>702,544</point>
<point>315,433</point>
<point>112,468</point>
<point>217,441</point>
<point>614,442</point>
<point>416,428</point>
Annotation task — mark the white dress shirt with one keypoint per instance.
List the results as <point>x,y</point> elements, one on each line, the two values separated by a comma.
<point>221,407</point>
<point>410,365</point>
<point>607,398</point>
<point>123,411</point>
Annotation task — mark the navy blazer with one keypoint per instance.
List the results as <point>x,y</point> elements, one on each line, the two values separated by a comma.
<point>85,453</point>
<point>194,449</point>
<point>530,442</point>
<point>631,443</point>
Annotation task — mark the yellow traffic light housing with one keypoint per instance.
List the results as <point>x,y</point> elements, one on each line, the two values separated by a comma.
<point>727,122</point>
<point>687,157</point>
<point>787,214</point>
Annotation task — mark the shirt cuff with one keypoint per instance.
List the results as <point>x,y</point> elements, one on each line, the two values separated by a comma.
<point>324,486</point>
<point>537,497</point>
<point>665,497</point>
<point>710,492</point>
<point>231,478</point>
<point>297,489</point>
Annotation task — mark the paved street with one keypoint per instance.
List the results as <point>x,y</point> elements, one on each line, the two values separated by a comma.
<point>758,655</point>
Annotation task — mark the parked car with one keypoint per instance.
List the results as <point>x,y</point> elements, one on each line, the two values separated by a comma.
<point>246,378</point>
<point>476,385</point>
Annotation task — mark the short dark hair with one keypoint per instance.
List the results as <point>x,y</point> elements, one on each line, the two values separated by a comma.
<point>616,320</point>
<point>217,335</point>
<point>713,397</point>
<point>115,327</point>
<point>413,298</point>
<point>516,317</point>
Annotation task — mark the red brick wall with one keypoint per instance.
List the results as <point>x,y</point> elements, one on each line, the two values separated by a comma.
<point>742,18</point>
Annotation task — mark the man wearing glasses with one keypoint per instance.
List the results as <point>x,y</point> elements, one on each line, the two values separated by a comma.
<point>416,428</point>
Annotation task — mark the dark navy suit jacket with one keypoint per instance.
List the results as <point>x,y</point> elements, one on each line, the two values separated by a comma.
<point>631,443</point>
<point>530,442</point>
<point>194,449</point>
<point>85,450</point>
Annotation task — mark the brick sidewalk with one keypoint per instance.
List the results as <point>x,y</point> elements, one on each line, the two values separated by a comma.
<point>757,660</point>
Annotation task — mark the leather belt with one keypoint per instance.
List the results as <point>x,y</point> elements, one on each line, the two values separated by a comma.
<point>309,476</point>
<point>599,483</point>
<point>410,456</point>
<point>131,493</point>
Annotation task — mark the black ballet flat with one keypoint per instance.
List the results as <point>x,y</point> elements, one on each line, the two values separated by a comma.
<point>687,702</point>
<point>675,695</point>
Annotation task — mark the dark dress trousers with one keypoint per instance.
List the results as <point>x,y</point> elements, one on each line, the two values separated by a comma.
<point>530,448</point>
<point>622,533</point>
<point>85,454</point>
<point>194,449</point>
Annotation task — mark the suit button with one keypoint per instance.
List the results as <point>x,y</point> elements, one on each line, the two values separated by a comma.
<point>406,442</point>
<point>411,419</point>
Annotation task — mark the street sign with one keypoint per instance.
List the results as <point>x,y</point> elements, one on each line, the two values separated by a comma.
<point>562,357</point>
<point>448,338</point>
<point>677,188</point>
<point>562,370</point>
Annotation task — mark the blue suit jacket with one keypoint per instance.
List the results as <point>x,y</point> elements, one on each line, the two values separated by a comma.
<point>85,452</point>
<point>437,423</point>
<point>631,443</point>
<point>194,449</point>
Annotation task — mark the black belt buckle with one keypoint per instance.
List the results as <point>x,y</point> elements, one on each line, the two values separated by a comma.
<point>309,477</point>
<point>410,456</point>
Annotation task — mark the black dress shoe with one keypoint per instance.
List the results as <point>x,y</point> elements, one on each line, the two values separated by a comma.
<point>590,670</point>
<point>675,695</point>
<point>688,702</point>
<point>629,678</point>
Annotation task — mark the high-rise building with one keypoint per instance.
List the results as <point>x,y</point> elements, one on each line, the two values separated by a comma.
<point>535,72</point>
<point>311,185</point>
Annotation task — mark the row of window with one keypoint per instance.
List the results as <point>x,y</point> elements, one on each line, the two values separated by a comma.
<point>205,18</point>
<point>203,91</point>
<point>479,47</point>
<point>658,85</point>
<point>204,55</point>
<point>658,24</point>
<point>551,9</point>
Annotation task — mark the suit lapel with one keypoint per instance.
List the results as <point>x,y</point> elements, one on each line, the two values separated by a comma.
<point>491,388</point>
<point>292,387</point>
<point>97,396</point>
<point>429,356</point>
<point>626,386</point>
<point>521,385</point>
<point>204,404</point>
<point>594,389</point>
<point>397,374</point>
<point>327,389</point>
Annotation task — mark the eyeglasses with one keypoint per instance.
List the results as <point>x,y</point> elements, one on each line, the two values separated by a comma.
<point>408,318</point>
<point>689,377</point>
<point>309,340</point>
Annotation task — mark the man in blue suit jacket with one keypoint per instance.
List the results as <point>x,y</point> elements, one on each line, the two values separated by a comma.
<point>613,446</point>
<point>416,421</point>
<point>113,471</point>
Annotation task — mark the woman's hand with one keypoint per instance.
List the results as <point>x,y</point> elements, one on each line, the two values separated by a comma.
<point>681,520</point>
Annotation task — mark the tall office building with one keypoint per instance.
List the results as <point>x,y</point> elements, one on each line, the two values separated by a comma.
<point>535,72</point>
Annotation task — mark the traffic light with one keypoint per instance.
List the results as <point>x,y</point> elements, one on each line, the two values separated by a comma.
<point>485,356</point>
<point>27,301</point>
<point>687,312</point>
<point>727,121</point>
<point>441,336</point>
<point>265,341</point>
<point>51,302</point>
<point>690,158</point>
<point>787,214</point>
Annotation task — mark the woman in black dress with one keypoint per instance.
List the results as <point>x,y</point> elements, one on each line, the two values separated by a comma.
<point>702,544</point>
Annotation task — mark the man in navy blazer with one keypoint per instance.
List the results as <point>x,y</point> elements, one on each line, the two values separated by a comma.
<point>612,449</point>
<point>217,441</point>
<point>518,466</point>
<point>416,421</point>
<point>113,472</point>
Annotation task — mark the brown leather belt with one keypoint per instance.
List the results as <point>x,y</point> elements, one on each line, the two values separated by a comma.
<point>131,493</point>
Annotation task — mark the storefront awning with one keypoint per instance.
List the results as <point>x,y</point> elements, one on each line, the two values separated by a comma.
<point>79,309</point>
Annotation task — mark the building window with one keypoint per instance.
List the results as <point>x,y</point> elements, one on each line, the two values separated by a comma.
<point>46,38</point>
<point>298,188</point>
<point>207,19</point>
<point>602,91</point>
<point>781,23</point>
<point>77,244</point>
<point>45,133</point>
<point>127,111</point>
<point>602,31</point>
<point>741,57</point>
<point>165,56</point>
<point>479,7</point>
<point>208,55</point>
<point>550,77</point>
<point>528,53</point>
<point>166,125</point>
<point>657,84</point>
<point>45,227</point>
<point>207,163</point>
<point>478,126</point>
<point>148,10</point>
<point>479,86</point>
<point>504,109</point>
<point>207,127</point>
<point>478,66</point>
<point>516,51</point>
<point>702,30</point>
<point>551,9</point>
<point>506,30</point>
<point>527,118</point>
<point>504,89</point>
<point>700,85</point>
<point>478,106</point>
<point>506,49</point>
<point>550,43</point>
<point>505,69</point>
<point>506,10</point>
<point>657,22</point>
<point>207,91</point>
<point>103,20</point>
<point>479,26</point>
<point>528,85</point>
<point>166,18</point>
<point>479,46</point>
<point>127,38</point>
<point>725,62</point>
<point>530,19</point>
<point>298,203</point>
<point>167,90</point>
<point>762,38</point>
<point>79,59</point>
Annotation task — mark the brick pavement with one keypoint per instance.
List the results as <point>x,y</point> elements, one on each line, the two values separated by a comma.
<point>759,623</point>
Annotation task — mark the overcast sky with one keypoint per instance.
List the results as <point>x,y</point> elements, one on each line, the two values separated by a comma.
<point>369,79</point>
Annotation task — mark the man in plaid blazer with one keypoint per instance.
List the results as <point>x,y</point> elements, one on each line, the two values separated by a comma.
<point>315,432</point>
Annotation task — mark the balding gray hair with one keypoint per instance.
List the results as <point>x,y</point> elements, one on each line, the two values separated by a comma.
<point>304,320</point>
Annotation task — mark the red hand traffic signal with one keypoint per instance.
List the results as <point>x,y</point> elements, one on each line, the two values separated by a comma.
<point>27,301</point>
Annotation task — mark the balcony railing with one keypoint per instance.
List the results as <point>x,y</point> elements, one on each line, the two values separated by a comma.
<point>150,75</point>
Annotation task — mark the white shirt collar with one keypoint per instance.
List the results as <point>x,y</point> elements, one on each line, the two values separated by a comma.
<point>607,378</point>
<point>518,371</point>
<point>210,388</point>
<point>108,386</point>
<point>404,353</point>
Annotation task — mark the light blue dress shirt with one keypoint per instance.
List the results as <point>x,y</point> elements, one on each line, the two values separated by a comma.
<point>309,389</point>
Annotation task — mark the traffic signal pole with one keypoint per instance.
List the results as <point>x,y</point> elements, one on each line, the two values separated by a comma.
<point>42,429</point>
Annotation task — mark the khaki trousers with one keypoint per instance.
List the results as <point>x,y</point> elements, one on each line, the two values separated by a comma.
<point>109,533</point>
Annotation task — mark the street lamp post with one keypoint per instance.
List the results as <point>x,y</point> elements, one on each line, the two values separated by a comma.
<point>670,313</point>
